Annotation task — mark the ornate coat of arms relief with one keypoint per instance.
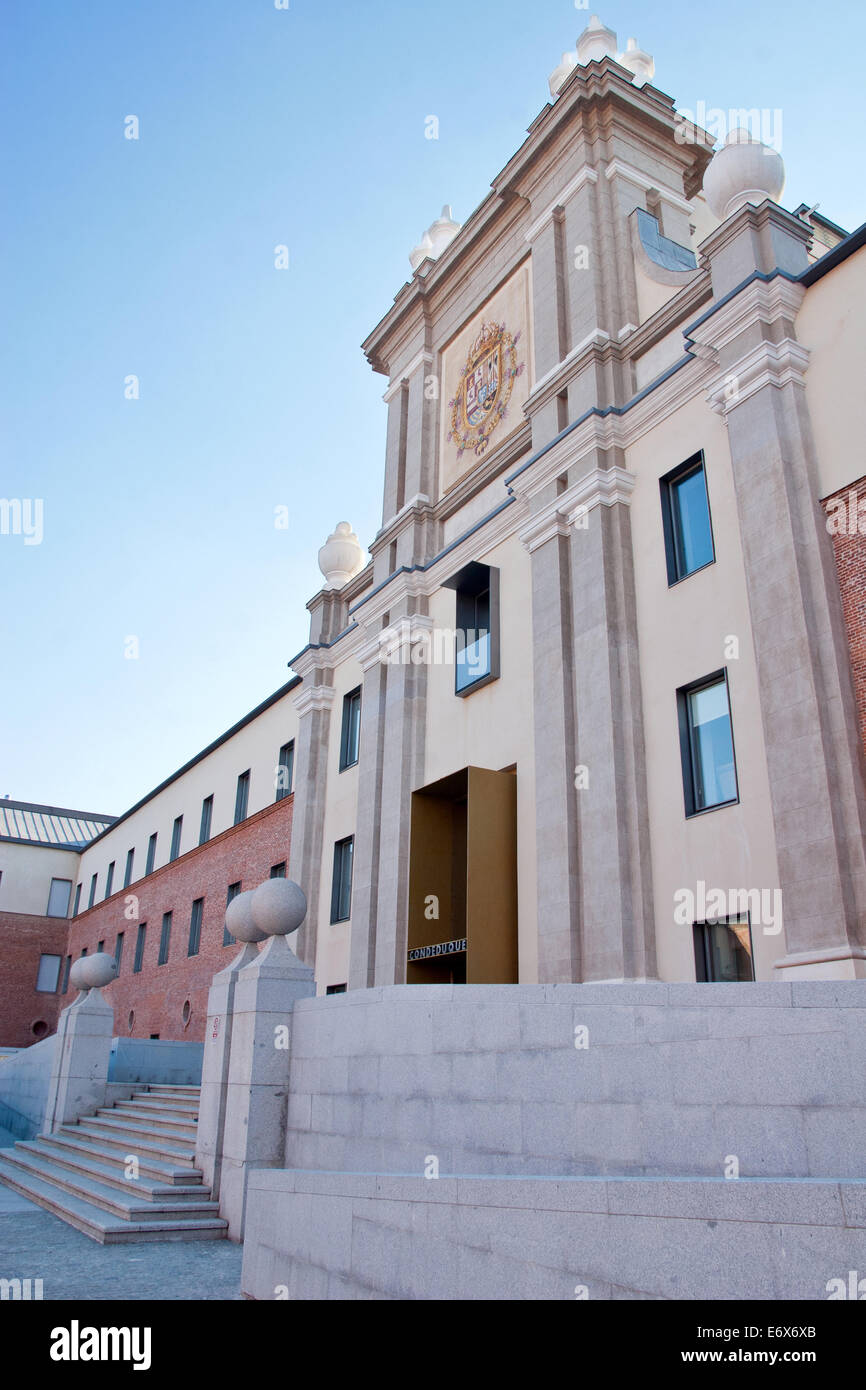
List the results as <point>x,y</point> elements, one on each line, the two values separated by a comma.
<point>484,389</point>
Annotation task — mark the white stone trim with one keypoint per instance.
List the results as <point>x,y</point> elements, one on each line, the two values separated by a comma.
<point>759,303</point>
<point>423,358</point>
<point>628,171</point>
<point>314,697</point>
<point>585,175</point>
<point>768,364</point>
<point>597,337</point>
<point>544,527</point>
<point>600,487</point>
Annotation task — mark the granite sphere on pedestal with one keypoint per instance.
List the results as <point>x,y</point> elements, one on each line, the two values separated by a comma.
<point>92,972</point>
<point>279,906</point>
<point>239,918</point>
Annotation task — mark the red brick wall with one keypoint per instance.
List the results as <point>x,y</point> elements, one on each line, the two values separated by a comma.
<point>846,514</point>
<point>157,994</point>
<point>23,939</point>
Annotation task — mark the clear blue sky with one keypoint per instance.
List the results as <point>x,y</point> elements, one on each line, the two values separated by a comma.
<point>155,257</point>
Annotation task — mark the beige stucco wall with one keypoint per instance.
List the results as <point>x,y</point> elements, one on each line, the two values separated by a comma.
<point>830,325</point>
<point>27,871</point>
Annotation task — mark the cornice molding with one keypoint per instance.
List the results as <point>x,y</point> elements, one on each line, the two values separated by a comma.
<point>759,302</point>
<point>600,487</point>
<point>768,364</point>
<point>314,697</point>
<point>421,359</point>
<point>635,176</point>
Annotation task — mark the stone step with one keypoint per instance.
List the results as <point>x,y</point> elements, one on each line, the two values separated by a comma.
<point>143,1101</point>
<point>156,1122</point>
<point>119,1137</point>
<point>93,1221</point>
<point>69,1139</point>
<point>128,1205</point>
<point>138,1128</point>
<point>160,1087</point>
<point>110,1172</point>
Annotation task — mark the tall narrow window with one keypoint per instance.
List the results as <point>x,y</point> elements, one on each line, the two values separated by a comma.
<point>139,948</point>
<point>285,769</point>
<point>130,859</point>
<point>723,950</point>
<point>341,886</point>
<point>100,946</point>
<point>58,897</point>
<point>242,797</point>
<point>118,949</point>
<point>92,899</point>
<point>66,969</point>
<point>278,870</point>
<point>77,902</point>
<point>233,890</point>
<point>151,854</point>
<point>164,938</point>
<point>109,879</point>
<point>686,520</point>
<point>48,974</point>
<point>195,927</point>
<point>350,739</point>
<point>206,819</point>
<point>477,623</point>
<point>707,745</point>
<point>176,832</point>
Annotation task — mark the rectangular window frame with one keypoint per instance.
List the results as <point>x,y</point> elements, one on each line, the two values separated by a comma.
<point>286,765</point>
<point>669,527</point>
<point>130,861</point>
<point>690,799</point>
<point>92,896</point>
<point>151,853</point>
<point>109,881</point>
<point>468,584</point>
<point>118,949</point>
<point>58,895</point>
<point>140,938</point>
<point>176,835</point>
<point>206,820</point>
<point>350,731</point>
<point>231,893</point>
<point>195,920</point>
<point>703,957</point>
<point>77,901</point>
<point>164,939</point>
<point>50,972</point>
<point>242,797</point>
<point>341,895</point>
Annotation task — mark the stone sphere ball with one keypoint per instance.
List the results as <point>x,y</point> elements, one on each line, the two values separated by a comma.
<point>76,978</point>
<point>239,919</point>
<point>96,971</point>
<point>279,906</point>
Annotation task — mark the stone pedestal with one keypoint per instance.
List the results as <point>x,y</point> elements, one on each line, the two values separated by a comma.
<point>79,1075</point>
<point>215,1068</point>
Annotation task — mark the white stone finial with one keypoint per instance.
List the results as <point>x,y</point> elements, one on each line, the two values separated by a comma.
<point>341,557</point>
<point>434,241</point>
<point>744,171</point>
<point>561,74</point>
<point>639,63</point>
<point>596,42</point>
<point>422,252</point>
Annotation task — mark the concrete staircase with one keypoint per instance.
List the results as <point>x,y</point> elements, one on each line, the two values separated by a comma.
<point>78,1173</point>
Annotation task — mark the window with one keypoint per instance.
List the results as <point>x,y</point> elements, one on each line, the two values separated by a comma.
<point>139,949</point>
<point>707,745</point>
<point>350,738</point>
<point>66,969</point>
<point>151,854</point>
<point>206,818</point>
<point>723,950</point>
<point>335,989</point>
<point>58,897</point>
<point>285,770</point>
<point>242,797</point>
<point>195,927</point>
<point>127,877</point>
<point>92,899</point>
<point>233,890</point>
<point>109,879</point>
<point>341,888</point>
<point>164,939</point>
<point>477,623</point>
<point>100,946</point>
<point>176,832</point>
<point>686,520</point>
<point>48,974</point>
<point>77,899</point>
<point>278,870</point>
<point>118,949</point>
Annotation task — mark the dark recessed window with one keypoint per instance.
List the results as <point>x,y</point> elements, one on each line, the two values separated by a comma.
<point>139,948</point>
<point>285,770</point>
<point>707,745</point>
<point>350,738</point>
<point>164,938</point>
<point>100,946</point>
<point>109,879</point>
<point>77,900</point>
<point>723,950</point>
<point>335,989</point>
<point>130,860</point>
<point>66,969</point>
<point>686,519</point>
<point>48,974</point>
<point>278,870</point>
<point>151,854</point>
<point>176,832</point>
<point>341,887</point>
<point>118,949</point>
<point>195,927</point>
<point>206,819</point>
<point>92,898</point>
<point>58,897</point>
<point>477,623</point>
<point>242,797</point>
<point>233,890</point>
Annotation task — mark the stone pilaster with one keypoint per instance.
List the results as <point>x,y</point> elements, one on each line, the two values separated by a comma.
<point>314,702</point>
<point>210,1132</point>
<point>79,1074</point>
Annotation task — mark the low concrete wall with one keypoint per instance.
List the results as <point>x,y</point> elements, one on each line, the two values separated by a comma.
<point>150,1060</point>
<point>357,1236</point>
<point>699,1141</point>
<point>24,1080</point>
